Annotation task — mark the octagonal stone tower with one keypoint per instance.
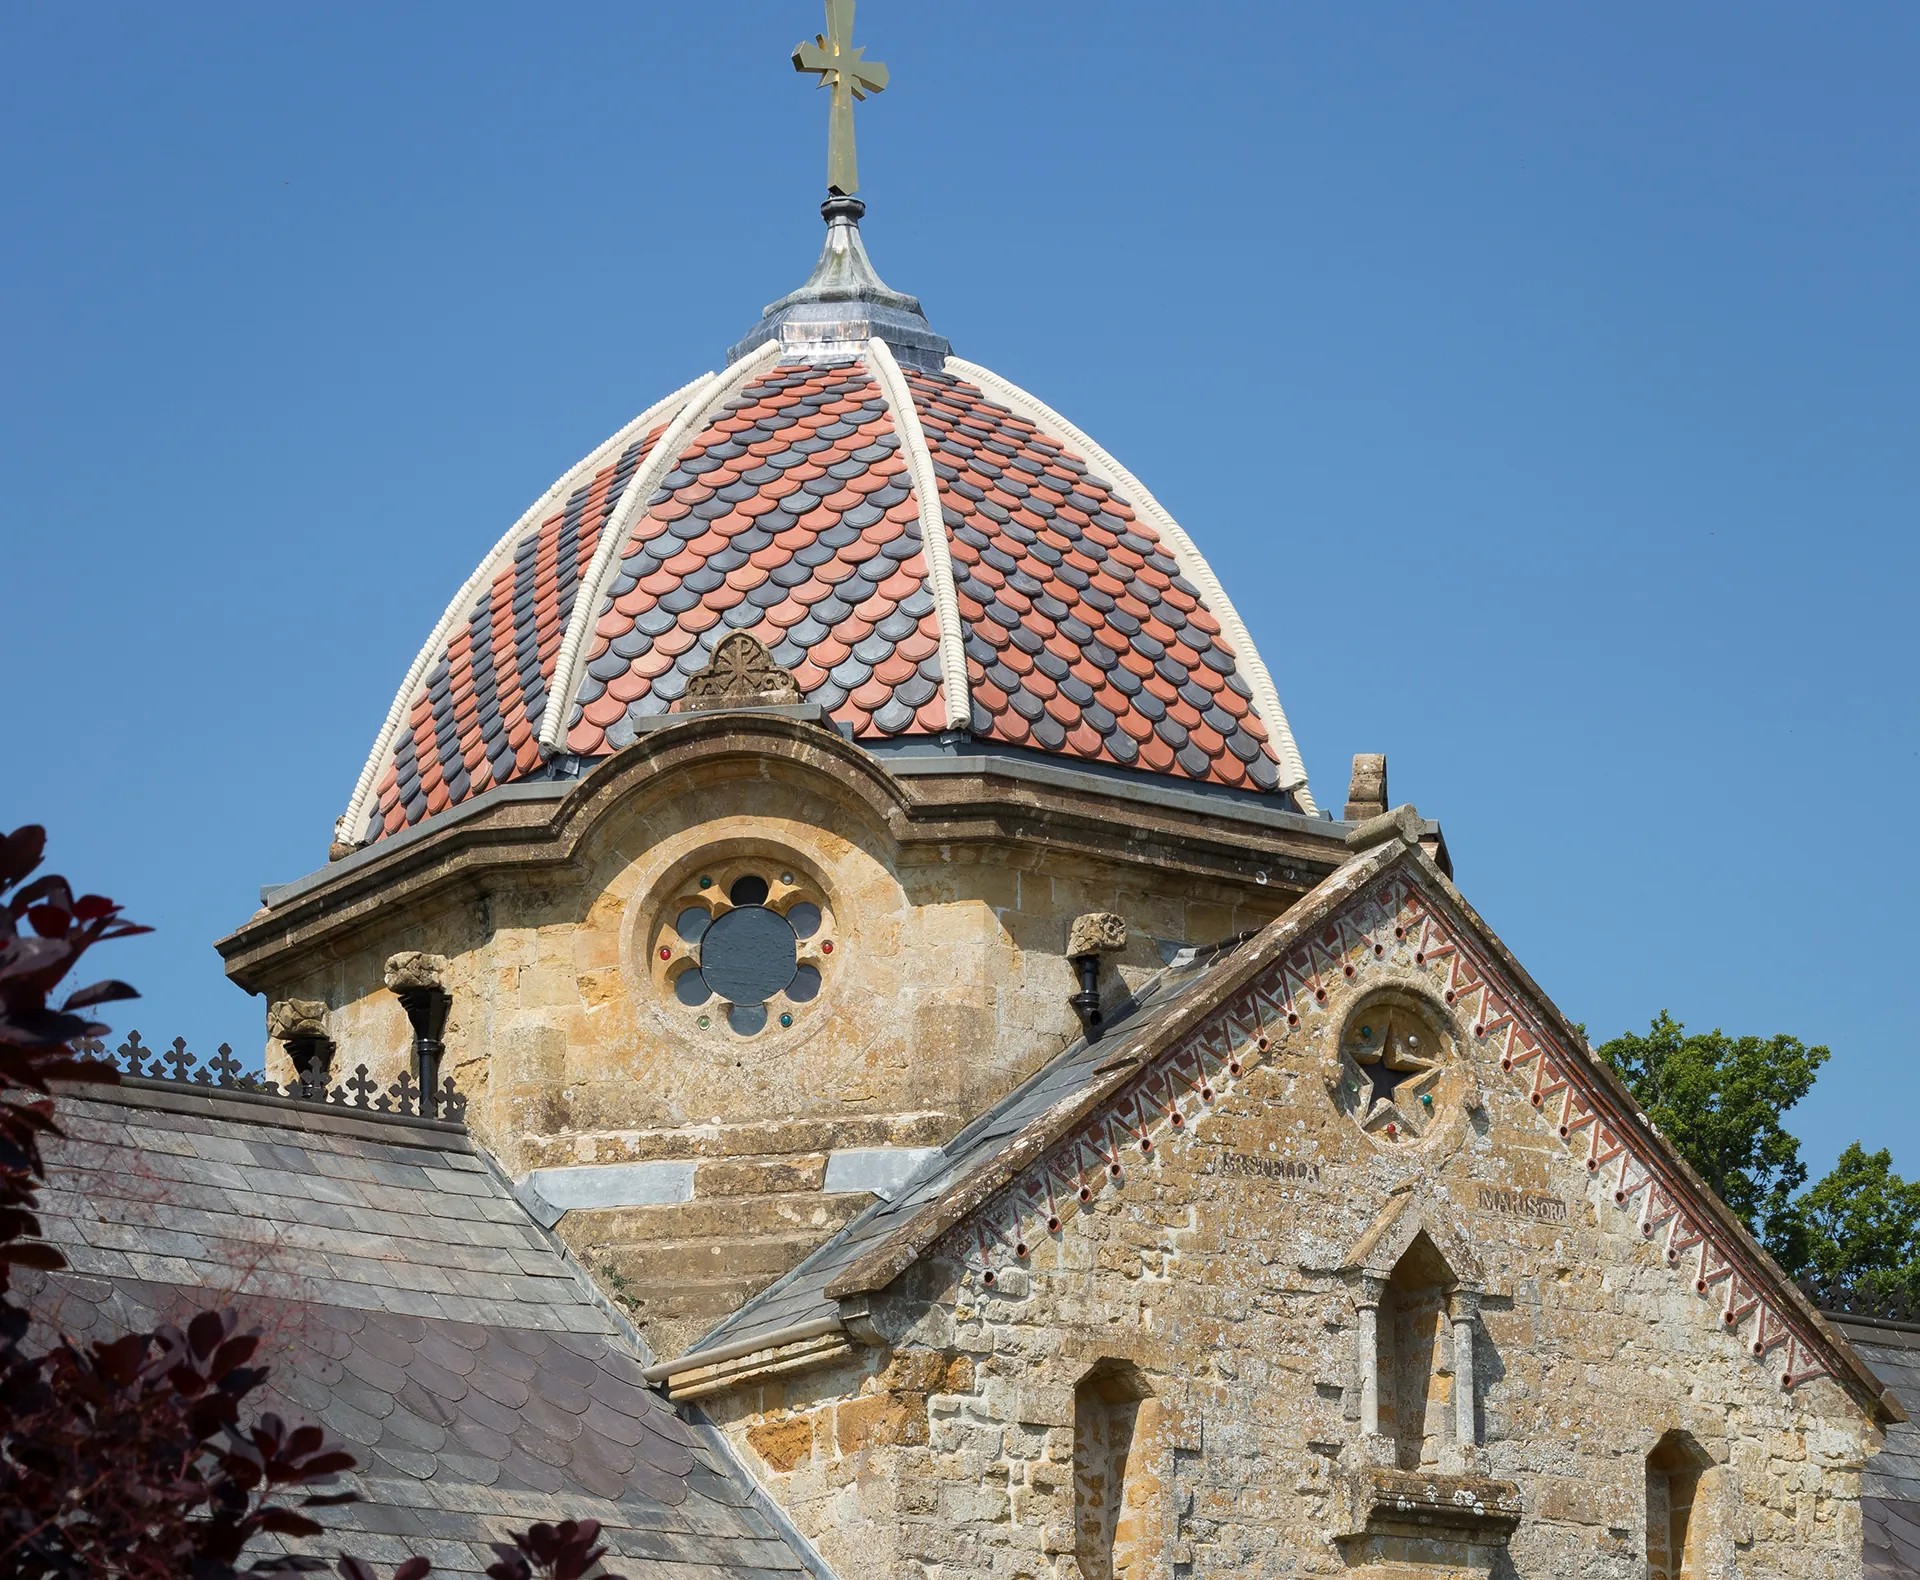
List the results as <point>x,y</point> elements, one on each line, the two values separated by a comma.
<point>853,633</point>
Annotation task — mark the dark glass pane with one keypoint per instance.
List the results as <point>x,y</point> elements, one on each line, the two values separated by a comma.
<point>689,988</point>
<point>748,891</point>
<point>692,922</point>
<point>747,1018</point>
<point>748,955</point>
<point>805,985</point>
<point>805,918</point>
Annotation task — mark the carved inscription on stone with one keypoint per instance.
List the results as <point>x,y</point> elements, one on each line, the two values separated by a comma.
<point>1523,1204</point>
<point>1268,1168</point>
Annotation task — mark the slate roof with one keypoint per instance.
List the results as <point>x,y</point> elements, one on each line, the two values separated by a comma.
<point>801,1295</point>
<point>1890,1490</point>
<point>791,515</point>
<point>411,1307</point>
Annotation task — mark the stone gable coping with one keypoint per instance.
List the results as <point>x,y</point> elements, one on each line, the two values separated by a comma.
<point>1391,895</point>
<point>1122,1077</point>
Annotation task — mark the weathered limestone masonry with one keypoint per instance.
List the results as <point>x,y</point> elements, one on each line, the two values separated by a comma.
<point>944,903</point>
<point>1298,1336</point>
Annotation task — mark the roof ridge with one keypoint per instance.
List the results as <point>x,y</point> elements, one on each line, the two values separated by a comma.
<point>934,547</point>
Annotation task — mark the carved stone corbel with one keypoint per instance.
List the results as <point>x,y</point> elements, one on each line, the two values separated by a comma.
<point>300,1026</point>
<point>418,980</point>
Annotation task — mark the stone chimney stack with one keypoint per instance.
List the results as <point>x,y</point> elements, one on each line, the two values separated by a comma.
<point>1367,794</point>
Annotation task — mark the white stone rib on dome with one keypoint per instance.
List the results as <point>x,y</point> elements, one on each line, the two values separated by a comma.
<point>1193,565</point>
<point>933,531</point>
<point>707,398</point>
<point>347,829</point>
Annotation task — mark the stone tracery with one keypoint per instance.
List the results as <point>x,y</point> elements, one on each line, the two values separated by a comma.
<point>746,941</point>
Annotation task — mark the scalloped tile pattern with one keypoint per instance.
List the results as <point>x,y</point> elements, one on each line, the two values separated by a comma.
<point>792,516</point>
<point>476,721</point>
<point>1082,635</point>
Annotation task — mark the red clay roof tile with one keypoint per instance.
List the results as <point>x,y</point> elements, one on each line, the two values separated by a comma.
<point>1012,563</point>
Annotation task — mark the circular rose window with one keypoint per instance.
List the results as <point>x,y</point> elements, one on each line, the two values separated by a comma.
<point>745,944</point>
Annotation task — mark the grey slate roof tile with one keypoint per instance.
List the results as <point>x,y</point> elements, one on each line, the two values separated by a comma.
<point>396,1315</point>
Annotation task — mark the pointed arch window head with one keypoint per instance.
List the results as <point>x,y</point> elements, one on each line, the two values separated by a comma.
<point>1417,1286</point>
<point>744,945</point>
<point>1418,1377</point>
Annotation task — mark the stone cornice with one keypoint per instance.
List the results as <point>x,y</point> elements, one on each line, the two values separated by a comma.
<point>542,834</point>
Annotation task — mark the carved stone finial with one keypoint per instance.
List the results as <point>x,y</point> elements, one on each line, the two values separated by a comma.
<point>291,1019</point>
<point>741,674</point>
<point>1367,792</point>
<point>1096,933</point>
<point>414,968</point>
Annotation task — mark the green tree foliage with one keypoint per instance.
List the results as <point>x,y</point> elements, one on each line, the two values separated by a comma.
<point>1859,1229</point>
<point>1853,1236</point>
<point>1719,1099</point>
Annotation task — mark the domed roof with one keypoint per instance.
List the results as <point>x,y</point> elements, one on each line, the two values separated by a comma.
<point>925,547</point>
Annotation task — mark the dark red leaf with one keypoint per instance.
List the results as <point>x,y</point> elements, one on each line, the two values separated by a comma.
<point>51,921</point>
<point>413,1569</point>
<point>204,1332</point>
<point>100,993</point>
<point>32,1253</point>
<point>354,1569</point>
<point>285,1522</point>
<point>20,853</point>
<point>52,888</point>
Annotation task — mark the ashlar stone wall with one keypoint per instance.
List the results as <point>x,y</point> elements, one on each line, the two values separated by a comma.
<point>1215,1287</point>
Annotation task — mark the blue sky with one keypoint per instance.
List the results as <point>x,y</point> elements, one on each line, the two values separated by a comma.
<point>1541,380</point>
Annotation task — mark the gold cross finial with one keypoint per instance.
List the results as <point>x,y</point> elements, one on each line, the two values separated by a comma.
<point>832,57</point>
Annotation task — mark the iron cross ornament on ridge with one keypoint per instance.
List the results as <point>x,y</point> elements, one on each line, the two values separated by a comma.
<point>832,57</point>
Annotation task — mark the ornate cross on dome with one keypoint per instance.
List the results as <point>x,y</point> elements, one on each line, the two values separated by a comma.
<point>832,57</point>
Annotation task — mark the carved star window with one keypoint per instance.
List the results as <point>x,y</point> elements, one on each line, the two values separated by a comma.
<point>1396,1064</point>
